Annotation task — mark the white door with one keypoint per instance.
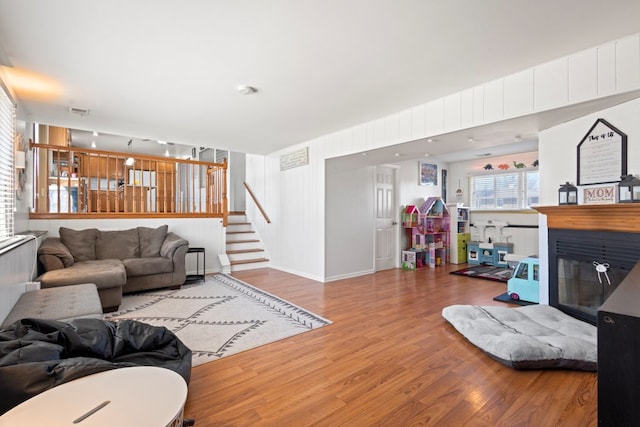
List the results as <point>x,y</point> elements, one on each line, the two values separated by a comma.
<point>386,223</point>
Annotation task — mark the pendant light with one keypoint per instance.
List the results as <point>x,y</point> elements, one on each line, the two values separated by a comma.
<point>130,160</point>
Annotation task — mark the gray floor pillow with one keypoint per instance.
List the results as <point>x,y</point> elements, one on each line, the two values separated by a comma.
<point>530,337</point>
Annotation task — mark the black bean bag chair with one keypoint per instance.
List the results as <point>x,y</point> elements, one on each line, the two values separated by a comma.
<point>36,355</point>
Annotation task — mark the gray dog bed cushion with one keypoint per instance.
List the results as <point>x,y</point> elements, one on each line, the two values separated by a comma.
<point>529,337</point>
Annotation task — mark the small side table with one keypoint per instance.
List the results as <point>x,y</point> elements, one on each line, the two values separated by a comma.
<point>198,276</point>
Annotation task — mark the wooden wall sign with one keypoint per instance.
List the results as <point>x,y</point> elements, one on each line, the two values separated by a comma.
<point>294,159</point>
<point>600,194</point>
<point>602,154</point>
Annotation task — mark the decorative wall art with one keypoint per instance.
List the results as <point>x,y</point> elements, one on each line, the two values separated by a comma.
<point>602,154</point>
<point>294,159</point>
<point>428,173</point>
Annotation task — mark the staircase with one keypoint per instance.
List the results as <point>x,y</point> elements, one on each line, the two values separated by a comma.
<point>244,248</point>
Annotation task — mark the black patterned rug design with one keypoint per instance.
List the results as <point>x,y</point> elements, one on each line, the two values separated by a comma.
<point>219,317</point>
<point>488,272</point>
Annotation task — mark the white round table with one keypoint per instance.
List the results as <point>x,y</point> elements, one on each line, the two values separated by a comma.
<point>136,396</point>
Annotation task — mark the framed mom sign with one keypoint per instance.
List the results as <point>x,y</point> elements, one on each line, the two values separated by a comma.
<point>602,154</point>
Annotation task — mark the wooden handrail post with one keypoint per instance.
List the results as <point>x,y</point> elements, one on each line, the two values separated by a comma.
<point>255,200</point>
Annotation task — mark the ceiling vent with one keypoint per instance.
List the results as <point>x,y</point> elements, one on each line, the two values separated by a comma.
<point>79,111</point>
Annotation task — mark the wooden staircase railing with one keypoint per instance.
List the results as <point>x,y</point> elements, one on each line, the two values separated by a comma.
<point>255,200</point>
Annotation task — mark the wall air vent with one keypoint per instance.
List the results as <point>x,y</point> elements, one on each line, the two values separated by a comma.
<point>79,111</point>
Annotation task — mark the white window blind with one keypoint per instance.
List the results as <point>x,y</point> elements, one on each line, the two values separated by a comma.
<point>508,190</point>
<point>7,173</point>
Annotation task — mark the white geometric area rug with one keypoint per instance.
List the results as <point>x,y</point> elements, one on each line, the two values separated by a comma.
<point>219,317</point>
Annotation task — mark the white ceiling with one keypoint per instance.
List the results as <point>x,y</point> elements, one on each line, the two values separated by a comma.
<point>166,69</point>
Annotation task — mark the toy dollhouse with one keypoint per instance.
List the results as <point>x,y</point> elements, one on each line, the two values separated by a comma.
<point>410,216</point>
<point>428,236</point>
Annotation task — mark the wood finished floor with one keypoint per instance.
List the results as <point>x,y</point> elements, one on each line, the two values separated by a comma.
<point>388,359</point>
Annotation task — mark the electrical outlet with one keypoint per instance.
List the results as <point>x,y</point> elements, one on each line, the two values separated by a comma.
<point>32,286</point>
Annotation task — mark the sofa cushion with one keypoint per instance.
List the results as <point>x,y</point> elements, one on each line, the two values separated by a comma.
<point>64,303</point>
<point>108,273</point>
<point>118,244</point>
<point>151,240</point>
<point>57,251</point>
<point>81,243</point>
<point>145,266</point>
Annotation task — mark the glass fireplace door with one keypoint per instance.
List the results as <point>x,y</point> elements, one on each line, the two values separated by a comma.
<point>584,286</point>
<point>585,267</point>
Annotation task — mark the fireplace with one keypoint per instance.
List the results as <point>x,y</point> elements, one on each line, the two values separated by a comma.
<point>591,250</point>
<point>586,266</point>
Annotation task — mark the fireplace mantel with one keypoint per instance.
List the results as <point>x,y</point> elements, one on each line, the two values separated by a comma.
<point>623,217</point>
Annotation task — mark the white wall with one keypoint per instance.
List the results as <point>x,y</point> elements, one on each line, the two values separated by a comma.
<point>18,266</point>
<point>349,221</point>
<point>558,145</point>
<point>296,198</point>
<point>200,232</point>
<point>558,161</point>
<point>411,192</point>
<point>236,176</point>
<point>294,201</point>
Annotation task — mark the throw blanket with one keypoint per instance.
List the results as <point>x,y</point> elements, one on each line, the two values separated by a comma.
<point>530,337</point>
<point>36,355</point>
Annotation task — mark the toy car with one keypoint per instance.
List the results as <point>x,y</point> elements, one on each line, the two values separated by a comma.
<point>525,283</point>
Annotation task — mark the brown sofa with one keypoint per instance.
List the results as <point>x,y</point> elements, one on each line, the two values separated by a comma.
<point>117,262</point>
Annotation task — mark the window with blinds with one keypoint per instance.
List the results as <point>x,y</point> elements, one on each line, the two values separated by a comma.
<point>509,190</point>
<point>7,173</point>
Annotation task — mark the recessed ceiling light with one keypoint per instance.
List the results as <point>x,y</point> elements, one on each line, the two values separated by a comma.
<point>470,139</point>
<point>426,154</point>
<point>397,154</point>
<point>364,154</point>
<point>93,144</point>
<point>246,90</point>
<point>162,142</point>
<point>95,133</point>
